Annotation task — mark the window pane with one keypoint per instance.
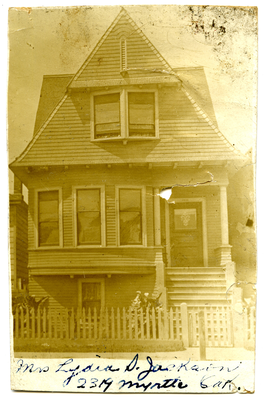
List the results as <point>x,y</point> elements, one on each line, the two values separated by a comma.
<point>88,216</point>
<point>88,200</point>
<point>49,234</point>
<point>141,114</point>
<point>185,218</point>
<point>130,228</point>
<point>107,115</point>
<point>91,295</point>
<point>130,199</point>
<point>48,218</point>
<point>88,228</point>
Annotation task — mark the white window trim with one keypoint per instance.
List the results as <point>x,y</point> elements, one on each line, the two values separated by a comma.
<point>117,197</point>
<point>201,200</point>
<point>124,115</point>
<point>155,91</point>
<point>91,280</point>
<point>103,215</point>
<point>36,217</point>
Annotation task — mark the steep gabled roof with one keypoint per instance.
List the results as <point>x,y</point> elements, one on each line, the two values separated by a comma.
<point>104,60</point>
<point>52,90</point>
<point>195,82</point>
<point>62,129</point>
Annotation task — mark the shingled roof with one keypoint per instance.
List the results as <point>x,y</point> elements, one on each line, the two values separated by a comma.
<point>62,128</point>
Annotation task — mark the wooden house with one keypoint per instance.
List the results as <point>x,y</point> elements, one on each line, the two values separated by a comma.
<point>18,239</point>
<point>108,141</point>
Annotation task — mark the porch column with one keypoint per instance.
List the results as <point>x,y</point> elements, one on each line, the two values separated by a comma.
<point>160,266</point>
<point>223,253</point>
<point>224,215</point>
<point>157,222</point>
<point>167,230</point>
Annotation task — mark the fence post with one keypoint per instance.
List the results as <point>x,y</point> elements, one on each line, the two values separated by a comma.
<point>202,336</point>
<point>184,324</point>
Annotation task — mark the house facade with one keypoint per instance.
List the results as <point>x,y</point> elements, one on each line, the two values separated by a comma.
<point>110,142</point>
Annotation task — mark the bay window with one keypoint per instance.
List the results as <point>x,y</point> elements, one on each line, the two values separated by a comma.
<point>89,216</point>
<point>131,216</point>
<point>125,114</point>
<point>48,218</point>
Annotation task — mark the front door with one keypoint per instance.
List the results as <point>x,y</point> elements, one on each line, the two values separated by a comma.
<point>186,234</point>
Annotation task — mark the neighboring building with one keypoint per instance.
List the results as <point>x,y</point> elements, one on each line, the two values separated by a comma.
<point>18,239</point>
<point>107,140</point>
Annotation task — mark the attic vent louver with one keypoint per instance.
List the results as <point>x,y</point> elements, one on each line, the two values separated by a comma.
<point>123,55</point>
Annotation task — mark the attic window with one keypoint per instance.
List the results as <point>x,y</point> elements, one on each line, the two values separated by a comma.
<point>125,114</point>
<point>107,115</point>
<point>141,107</point>
<point>123,55</point>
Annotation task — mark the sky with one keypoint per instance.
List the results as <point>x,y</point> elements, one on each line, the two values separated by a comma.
<point>47,41</point>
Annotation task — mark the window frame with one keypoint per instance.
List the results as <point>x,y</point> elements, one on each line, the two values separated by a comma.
<point>124,113</point>
<point>102,213</point>
<point>117,213</point>
<point>91,280</point>
<point>36,208</point>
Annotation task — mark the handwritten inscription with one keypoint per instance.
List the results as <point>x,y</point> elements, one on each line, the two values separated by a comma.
<point>138,375</point>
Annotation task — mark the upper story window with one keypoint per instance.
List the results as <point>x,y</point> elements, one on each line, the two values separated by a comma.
<point>124,114</point>
<point>48,212</point>
<point>89,216</point>
<point>141,110</point>
<point>107,115</point>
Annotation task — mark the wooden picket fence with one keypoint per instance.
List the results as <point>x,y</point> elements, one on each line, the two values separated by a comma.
<point>108,323</point>
<point>178,323</point>
<point>218,326</point>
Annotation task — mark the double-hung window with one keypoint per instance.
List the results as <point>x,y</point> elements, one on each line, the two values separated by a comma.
<point>89,216</point>
<point>107,115</point>
<point>131,216</point>
<point>125,114</point>
<point>48,213</point>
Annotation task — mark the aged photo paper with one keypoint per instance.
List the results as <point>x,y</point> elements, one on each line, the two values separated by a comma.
<point>132,219</point>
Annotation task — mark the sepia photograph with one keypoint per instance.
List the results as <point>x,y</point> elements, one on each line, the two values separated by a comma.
<point>132,218</point>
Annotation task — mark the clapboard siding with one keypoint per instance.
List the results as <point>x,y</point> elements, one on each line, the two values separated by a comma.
<point>68,211</point>
<point>149,216</point>
<point>61,291</point>
<point>105,63</point>
<point>111,216</point>
<point>183,134</point>
<point>120,291</point>
<point>110,177</point>
<point>18,240</point>
<point>103,259</point>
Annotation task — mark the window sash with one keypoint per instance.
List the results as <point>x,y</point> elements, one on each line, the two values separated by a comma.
<point>107,112</point>
<point>48,218</point>
<point>124,114</point>
<point>88,216</point>
<point>141,111</point>
<point>130,217</point>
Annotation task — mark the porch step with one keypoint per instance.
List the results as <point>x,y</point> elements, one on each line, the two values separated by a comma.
<point>178,282</point>
<point>180,270</point>
<point>196,286</point>
<point>196,289</point>
<point>199,302</point>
